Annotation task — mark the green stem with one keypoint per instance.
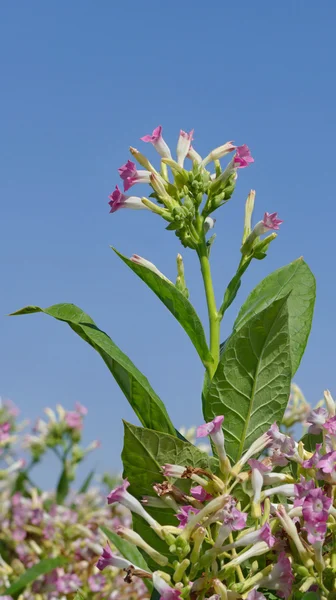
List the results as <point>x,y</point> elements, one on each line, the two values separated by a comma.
<point>214,320</point>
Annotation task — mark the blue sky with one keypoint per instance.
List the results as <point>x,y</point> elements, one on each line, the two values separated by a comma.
<point>81,81</point>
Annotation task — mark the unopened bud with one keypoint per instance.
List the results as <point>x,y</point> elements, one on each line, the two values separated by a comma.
<point>219,152</point>
<point>248,214</point>
<point>329,403</point>
<point>134,538</point>
<point>142,160</point>
<point>180,569</point>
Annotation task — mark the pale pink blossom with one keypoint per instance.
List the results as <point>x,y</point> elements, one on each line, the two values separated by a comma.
<point>327,467</point>
<point>158,142</point>
<point>330,425</point>
<point>81,409</point>
<point>257,477</point>
<point>4,431</point>
<point>316,531</point>
<point>183,145</point>
<point>74,420</point>
<point>302,490</point>
<point>317,418</point>
<point>280,578</point>
<point>255,595</point>
<point>243,157</point>
<point>215,431</point>
<point>316,506</point>
<point>119,200</point>
<point>311,462</point>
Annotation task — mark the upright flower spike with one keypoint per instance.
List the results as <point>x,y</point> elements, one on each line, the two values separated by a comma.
<point>120,494</point>
<point>183,146</point>
<point>165,590</point>
<point>131,175</point>
<point>119,200</point>
<point>158,142</point>
<point>215,431</point>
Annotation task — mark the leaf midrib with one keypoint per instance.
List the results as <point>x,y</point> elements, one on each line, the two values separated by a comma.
<point>241,445</point>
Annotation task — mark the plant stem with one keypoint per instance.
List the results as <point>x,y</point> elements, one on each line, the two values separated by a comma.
<point>214,321</point>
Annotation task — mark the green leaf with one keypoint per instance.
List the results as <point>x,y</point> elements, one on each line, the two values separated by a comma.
<point>155,595</point>
<point>297,279</point>
<point>63,487</point>
<point>86,483</point>
<point>79,596</point>
<point>252,383</point>
<point>42,568</point>
<point>177,304</point>
<point>144,453</point>
<point>309,440</point>
<point>146,404</point>
<point>129,551</point>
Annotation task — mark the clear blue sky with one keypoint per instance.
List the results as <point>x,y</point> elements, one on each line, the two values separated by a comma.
<point>81,81</point>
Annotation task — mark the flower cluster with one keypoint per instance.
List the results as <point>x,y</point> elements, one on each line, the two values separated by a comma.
<point>265,523</point>
<point>35,525</point>
<point>187,198</point>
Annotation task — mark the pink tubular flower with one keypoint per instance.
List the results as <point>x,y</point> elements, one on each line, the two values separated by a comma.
<point>183,145</point>
<point>166,592</point>
<point>330,425</point>
<point>311,462</point>
<point>327,467</point>
<point>118,494</point>
<point>119,200</point>
<point>302,490</point>
<point>243,157</point>
<point>108,559</point>
<point>96,582</point>
<point>316,506</point>
<point>260,535</point>
<point>316,531</point>
<point>280,578</point>
<point>158,142</point>
<point>215,431</point>
<point>68,583</point>
<point>4,431</point>
<point>281,442</point>
<point>74,420</point>
<point>184,514</point>
<point>317,418</point>
<point>131,175</point>
<point>199,493</point>
<point>255,595</point>
<point>82,410</point>
<point>268,223</point>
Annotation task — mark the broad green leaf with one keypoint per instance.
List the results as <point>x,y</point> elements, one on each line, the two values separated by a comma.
<point>252,383</point>
<point>145,402</point>
<point>144,453</point>
<point>42,568</point>
<point>176,303</point>
<point>129,551</point>
<point>309,441</point>
<point>298,280</point>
